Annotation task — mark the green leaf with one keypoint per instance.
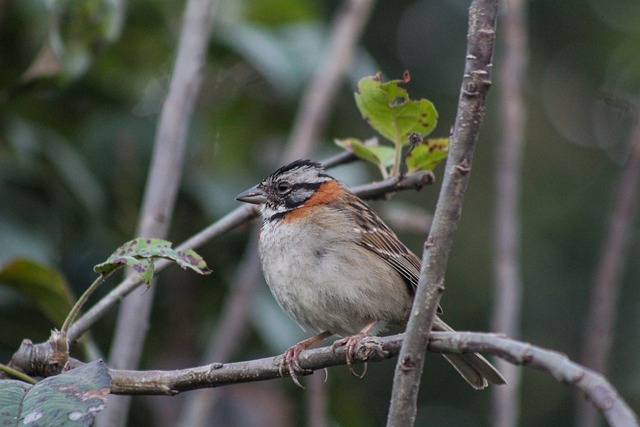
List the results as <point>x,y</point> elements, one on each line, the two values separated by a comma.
<point>381,156</point>
<point>428,154</point>
<point>389,110</point>
<point>140,253</point>
<point>43,285</point>
<point>69,399</point>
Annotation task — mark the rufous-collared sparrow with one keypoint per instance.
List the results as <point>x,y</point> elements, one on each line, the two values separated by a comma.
<point>335,268</point>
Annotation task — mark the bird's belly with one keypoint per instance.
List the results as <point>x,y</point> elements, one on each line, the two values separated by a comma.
<point>324,289</point>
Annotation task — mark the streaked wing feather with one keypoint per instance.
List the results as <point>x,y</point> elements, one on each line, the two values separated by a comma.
<point>381,240</point>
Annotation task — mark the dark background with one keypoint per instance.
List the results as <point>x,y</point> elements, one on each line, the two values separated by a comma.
<point>75,148</point>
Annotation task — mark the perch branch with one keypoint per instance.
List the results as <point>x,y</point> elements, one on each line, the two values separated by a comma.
<point>594,386</point>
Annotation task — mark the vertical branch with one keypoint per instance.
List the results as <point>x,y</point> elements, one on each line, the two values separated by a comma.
<point>471,105</point>
<point>508,285</point>
<point>162,187</point>
<point>607,279</point>
<point>311,117</point>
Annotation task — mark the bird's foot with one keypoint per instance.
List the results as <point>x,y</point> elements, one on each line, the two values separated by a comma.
<point>290,363</point>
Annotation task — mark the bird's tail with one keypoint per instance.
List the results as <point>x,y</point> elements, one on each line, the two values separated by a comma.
<point>475,369</point>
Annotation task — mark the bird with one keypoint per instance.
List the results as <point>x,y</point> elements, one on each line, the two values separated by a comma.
<point>336,268</point>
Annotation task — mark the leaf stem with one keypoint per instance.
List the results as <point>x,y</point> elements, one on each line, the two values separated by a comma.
<point>81,301</point>
<point>396,163</point>
<point>17,374</point>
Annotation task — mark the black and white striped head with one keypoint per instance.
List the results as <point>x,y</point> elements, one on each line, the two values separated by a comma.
<point>286,189</point>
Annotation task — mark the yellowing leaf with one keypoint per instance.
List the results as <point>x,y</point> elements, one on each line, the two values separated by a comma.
<point>428,154</point>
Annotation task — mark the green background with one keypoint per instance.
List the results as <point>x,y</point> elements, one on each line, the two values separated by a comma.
<point>75,148</point>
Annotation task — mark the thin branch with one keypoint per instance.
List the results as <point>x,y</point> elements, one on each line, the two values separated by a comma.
<point>319,96</point>
<point>233,219</point>
<point>607,280</point>
<point>310,120</point>
<point>471,105</point>
<point>237,217</point>
<point>594,386</point>
<point>508,286</point>
<point>162,185</point>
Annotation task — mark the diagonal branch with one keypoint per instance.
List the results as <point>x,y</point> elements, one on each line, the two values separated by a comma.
<point>238,216</point>
<point>471,104</point>
<point>320,95</point>
<point>607,279</point>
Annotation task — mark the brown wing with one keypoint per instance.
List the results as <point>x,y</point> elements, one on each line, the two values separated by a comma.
<point>381,240</point>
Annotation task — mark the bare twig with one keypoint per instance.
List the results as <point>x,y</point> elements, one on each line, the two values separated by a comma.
<point>162,185</point>
<point>471,105</point>
<point>320,94</point>
<point>595,387</point>
<point>601,317</point>
<point>508,286</point>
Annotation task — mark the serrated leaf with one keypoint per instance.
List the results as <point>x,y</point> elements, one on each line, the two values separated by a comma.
<point>43,285</point>
<point>69,399</point>
<point>428,154</point>
<point>139,254</point>
<point>389,110</point>
<point>381,156</point>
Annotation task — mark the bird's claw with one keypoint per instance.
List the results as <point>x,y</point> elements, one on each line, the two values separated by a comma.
<point>290,363</point>
<point>350,345</point>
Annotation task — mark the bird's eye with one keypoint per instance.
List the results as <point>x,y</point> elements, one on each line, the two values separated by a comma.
<point>283,187</point>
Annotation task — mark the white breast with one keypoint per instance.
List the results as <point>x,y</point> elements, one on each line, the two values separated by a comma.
<point>325,281</point>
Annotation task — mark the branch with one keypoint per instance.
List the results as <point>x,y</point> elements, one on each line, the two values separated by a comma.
<point>471,104</point>
<point>596,388</point>
<point>319,96</point>
<point>507,292</point>
<point>162,184</point>
<point>233,219</point>
<point>599,332</point>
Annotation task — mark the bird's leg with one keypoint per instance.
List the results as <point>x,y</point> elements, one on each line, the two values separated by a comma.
<point>291,358</point>
<point>350,344</point>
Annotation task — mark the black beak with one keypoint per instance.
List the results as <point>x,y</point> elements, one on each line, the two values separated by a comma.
<point>254,195</point>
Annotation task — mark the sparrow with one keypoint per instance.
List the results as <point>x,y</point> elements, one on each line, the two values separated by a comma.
<point>336,268</point>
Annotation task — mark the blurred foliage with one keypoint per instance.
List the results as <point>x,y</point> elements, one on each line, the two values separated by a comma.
<point>81,85</point>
